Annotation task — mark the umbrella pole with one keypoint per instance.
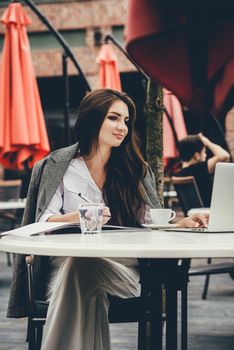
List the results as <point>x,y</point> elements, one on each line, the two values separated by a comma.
<point>64,44</point>
<point>66,102</point>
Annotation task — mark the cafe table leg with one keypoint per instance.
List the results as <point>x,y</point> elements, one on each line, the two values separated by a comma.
<point>184,317</point>
<point>171,312</point>
<point>176,279</point>
<point>156,331</point>
<point>173,276</point>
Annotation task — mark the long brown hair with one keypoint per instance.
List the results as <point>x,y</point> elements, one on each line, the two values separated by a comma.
<point>126,166</point>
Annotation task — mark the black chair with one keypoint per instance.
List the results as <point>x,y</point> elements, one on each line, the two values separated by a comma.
<point>169,193</point>
<point>132,308</point>
<point>187,192</point>
<point>140,309</point>
<point>9,190</point>
<point>189,198</point>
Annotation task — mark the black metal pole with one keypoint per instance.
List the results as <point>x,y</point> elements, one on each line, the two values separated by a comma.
<point>66,102</point>
<point>60,39</point>
<point>109,37</point>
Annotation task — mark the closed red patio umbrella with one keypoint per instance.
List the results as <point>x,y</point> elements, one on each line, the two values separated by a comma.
<point>23,135</point>
<point>109,76</point>
<point>174,109</point>
<point>186,46</point>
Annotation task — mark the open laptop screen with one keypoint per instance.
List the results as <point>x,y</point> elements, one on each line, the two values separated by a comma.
<point>222,202</point>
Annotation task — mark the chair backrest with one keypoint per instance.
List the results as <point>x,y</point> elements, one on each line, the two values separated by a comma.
<point>10,189</point>
<point>187,192</point>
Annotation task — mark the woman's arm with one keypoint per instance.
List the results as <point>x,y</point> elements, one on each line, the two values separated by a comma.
<point>53,212</point>
<point>74,217</point>
<point>219,154</point>
<point>70,217</point>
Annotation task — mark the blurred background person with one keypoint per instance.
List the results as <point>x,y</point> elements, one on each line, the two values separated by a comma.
<point>193,152</point>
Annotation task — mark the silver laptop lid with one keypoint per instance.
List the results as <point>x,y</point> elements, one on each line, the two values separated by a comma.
<point>222,201</point>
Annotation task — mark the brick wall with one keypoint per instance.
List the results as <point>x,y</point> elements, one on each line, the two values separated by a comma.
<point>77,15</point>
<point>49,63</point>
<point>74,15</point>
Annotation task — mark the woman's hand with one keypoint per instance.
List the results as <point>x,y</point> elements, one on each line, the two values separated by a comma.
<point>106,215</point>
<point>194,220</point>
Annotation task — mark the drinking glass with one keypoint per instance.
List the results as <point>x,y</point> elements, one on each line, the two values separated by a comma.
<point>91,215</point>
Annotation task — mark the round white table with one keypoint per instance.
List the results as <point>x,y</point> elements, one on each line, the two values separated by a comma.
<point>11,205</point>
<point>139,244</point>
<point>164,247</point>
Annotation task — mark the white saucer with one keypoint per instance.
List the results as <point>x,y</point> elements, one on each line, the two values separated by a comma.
<point>159,226</point>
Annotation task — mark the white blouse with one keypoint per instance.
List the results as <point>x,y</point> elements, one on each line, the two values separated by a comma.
<point>77,179</point>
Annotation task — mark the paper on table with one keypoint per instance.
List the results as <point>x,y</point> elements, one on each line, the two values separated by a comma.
<point>37,228</point>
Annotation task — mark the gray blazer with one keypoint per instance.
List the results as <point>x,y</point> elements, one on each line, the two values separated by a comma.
<point>46,177</point>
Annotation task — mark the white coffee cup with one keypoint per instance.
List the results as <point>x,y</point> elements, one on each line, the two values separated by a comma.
<point>162,216</point>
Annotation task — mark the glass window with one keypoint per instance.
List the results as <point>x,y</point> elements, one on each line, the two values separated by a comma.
<point>118,32</point>
<point>47,41</point>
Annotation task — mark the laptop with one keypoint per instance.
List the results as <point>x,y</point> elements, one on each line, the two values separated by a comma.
<point>222,201</point>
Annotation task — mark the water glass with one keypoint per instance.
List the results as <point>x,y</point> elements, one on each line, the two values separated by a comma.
<point>91,215</point>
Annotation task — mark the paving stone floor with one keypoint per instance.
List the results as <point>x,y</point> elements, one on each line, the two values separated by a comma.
<point>211,322</point>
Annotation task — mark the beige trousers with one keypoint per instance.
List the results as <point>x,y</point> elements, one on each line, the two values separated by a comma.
<point>77,317</point>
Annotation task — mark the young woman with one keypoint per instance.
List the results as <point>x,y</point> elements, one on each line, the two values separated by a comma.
<point>106,166</point>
